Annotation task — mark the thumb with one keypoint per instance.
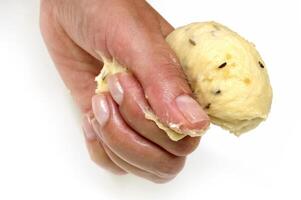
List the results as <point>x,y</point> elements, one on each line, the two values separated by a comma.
<point>131,32</point>
<point>157,69</point>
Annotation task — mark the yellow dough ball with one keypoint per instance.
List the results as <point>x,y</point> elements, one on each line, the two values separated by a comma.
<point>227,76</point>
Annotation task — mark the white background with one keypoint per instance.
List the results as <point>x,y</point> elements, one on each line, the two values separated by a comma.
<point>42,151</point>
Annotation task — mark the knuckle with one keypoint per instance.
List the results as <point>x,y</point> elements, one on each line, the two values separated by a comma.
<point>94,158</point>
<point>169,168</point>
<point>168,64</point>
<point>186,146</point>
<point>167,84</point>
<point>101,159</point>
<point>98,156</point>
<point>105,165</point>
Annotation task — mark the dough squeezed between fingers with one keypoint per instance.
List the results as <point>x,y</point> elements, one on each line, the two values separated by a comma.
<point>227,75</point>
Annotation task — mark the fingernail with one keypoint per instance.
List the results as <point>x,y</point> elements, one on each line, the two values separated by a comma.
<point>115,89</point>
<point>100,109</point>
<point>90,135</point>
<point>191,110</point>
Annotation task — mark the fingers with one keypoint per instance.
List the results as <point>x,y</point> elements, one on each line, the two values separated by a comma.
<point>96,151</point>
<point>128,93</point>
<point>134,170</point>
<point>130,146</point>
<point>125,165</point>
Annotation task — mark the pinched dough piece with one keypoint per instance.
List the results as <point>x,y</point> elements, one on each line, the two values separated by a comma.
<point>109,68</point>
<point>226,74</point>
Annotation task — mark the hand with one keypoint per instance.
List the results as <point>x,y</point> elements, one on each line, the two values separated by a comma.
<point>118,136</point>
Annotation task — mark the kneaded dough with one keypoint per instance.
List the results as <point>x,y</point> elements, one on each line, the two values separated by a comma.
<point>227,75</point>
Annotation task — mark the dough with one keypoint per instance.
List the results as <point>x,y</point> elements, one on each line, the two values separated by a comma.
<point>227,76</point>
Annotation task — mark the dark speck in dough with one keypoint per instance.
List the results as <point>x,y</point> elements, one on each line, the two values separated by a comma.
<point>217,92</point>
<point>261,65</point>
<point>222,65</point>
<point>208,106</point>
<point>192,42</point>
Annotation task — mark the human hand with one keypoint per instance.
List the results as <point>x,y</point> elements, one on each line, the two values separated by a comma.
<point>119,138</point>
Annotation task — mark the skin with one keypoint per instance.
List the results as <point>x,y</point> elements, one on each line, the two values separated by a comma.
<point>77,33</point>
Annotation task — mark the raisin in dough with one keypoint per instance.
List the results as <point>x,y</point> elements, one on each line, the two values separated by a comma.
<point>226,74</point>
